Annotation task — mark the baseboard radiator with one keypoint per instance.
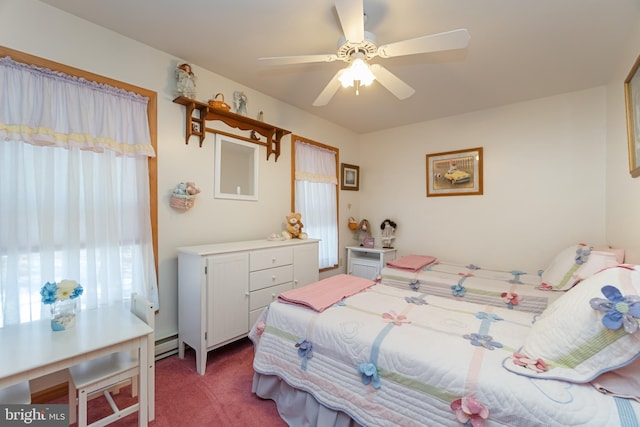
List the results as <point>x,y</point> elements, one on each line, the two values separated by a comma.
<point>166,347</point>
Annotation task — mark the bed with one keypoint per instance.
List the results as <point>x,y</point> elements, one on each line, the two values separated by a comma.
<point>386,355</point>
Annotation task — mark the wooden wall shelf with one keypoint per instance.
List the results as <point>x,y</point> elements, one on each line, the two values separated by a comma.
<point>196,125</point>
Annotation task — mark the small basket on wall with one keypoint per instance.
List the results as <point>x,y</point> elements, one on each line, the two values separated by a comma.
<point>184,196</point>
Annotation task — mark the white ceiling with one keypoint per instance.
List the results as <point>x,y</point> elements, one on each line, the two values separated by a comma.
<point>519,49</point>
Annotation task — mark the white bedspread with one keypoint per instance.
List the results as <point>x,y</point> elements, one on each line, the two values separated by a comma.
<point>427,352</point>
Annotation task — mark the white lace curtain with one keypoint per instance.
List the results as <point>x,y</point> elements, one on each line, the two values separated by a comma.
<point>74,190</point>
<point>315,187</point>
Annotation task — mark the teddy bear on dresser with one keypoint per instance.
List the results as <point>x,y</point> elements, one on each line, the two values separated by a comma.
<point>294,227</point>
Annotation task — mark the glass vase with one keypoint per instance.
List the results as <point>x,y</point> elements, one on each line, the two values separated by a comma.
<point>63,315</point>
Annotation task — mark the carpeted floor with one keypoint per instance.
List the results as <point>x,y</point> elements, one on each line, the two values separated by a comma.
<point>221,397</point>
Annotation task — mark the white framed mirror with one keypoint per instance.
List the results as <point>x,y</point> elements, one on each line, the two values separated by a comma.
<point>236,169</point>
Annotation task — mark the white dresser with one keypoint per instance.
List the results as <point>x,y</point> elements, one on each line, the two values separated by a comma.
<point>223,288</point>
<point>368,262</point>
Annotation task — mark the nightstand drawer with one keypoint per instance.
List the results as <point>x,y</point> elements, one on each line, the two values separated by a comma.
<point>264,297</point>
<point>271,277</point>
<point>268,258</point>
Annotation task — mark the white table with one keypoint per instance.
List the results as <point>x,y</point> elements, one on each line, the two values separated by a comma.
<point>31,350</point>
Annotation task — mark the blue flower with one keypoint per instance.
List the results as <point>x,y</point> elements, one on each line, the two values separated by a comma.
<point>369,374</point>
<point>620,310</point>
<point>473,267</point>
<point>48,293</point>
<point>458,290</point>
<point>485,341</point>
<point>415,284</point>
<point>305,348</point>
<point>416,300</point>
<point>582,254</point>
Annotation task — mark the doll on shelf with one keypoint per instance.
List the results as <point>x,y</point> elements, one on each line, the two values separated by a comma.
<point>186,81</point>
<point>388,230</point>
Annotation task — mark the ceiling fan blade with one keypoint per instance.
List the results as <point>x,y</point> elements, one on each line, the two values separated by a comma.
<point>330,89</point>
<point>456,39</point>
<point>351,14</point>
<point>390,81</point>
<point>302,59</point>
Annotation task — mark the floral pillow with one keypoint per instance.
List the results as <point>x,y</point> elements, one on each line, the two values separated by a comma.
<point>574,264</point>
<point>591,329</point>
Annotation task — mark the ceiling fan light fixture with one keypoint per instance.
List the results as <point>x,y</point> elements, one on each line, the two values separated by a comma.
<point>360,72</point>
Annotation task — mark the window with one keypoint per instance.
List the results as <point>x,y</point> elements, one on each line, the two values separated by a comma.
<point>315,195</point>
<point>67,209</point>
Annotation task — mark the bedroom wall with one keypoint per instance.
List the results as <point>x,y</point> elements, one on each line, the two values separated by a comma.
<point>41,30</point>
<point>623,192</point>
<point>544,182</point>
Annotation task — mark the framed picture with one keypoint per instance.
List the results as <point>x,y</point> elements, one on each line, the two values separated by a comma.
<point>632,101</point>
<point>455,173</point>
<point>350,177</point>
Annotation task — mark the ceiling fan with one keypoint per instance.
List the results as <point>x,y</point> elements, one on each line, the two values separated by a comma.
<point>358,46</point>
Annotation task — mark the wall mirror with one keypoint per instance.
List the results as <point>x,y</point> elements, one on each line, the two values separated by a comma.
<point>236,169</point>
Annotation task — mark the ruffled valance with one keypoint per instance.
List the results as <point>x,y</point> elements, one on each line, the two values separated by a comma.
<point>43,107</point>
<point>315,164</point>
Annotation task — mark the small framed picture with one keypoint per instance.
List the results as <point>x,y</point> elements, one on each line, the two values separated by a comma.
<point>350,177</point>
<point>369,242</point>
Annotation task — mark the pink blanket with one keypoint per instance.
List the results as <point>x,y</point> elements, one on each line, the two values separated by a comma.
<point>412,262</point>
<point>324,293</point>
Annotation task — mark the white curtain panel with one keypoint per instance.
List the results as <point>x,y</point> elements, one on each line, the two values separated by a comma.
<point>315,187</point>
<point>74,191</point>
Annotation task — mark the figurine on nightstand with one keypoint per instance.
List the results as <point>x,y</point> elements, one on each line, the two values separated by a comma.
<point>186,81</point>
<point>388,229</point>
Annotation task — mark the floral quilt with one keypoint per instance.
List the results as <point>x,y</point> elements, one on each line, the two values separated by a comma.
<point>388,357</point>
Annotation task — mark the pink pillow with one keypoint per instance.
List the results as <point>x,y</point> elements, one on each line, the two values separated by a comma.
<point>623,382</point>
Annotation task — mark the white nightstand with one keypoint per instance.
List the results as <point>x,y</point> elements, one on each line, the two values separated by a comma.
<point>368,262</point>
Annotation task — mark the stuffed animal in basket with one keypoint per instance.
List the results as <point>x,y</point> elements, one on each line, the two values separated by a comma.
<point>192,190</point>
<point>294,227</point>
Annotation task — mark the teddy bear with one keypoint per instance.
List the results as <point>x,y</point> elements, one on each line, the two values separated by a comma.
<point>192,190</point>
<point>294,227</point>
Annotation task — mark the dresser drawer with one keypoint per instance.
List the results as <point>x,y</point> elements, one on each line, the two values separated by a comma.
<point>275,257</point>
<point>271,277</point>
<point>263,297</point>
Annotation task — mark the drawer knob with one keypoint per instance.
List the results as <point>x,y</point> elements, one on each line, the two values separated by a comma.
<point>273,296</point>
<point>273,278</point>
<point>273,259</point>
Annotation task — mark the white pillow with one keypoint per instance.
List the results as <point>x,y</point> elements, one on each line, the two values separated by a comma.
<point>574,264</point>
<point>618,252</point>
<point>570,342</point>
<point>597,261</point>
